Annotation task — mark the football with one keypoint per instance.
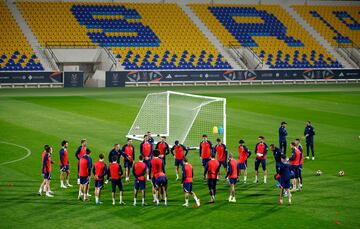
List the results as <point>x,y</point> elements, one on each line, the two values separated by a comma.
<point>341,173</point>
<point>318,173</point>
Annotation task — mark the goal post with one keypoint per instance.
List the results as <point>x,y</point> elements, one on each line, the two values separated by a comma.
<point>180,116</point>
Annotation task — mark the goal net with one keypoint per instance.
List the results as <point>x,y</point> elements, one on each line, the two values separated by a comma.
<point>180,116</point>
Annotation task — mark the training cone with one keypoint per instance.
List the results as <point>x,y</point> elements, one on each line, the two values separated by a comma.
<point>221,130</point>
<point>215,130</point>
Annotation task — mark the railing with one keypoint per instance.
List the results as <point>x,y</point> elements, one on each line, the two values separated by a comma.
<point>112,58</point>
<point>235,47</point>
<point>347,49</point>
<point>71,44</point>
<point>53,56</point>
<point>256,57</point>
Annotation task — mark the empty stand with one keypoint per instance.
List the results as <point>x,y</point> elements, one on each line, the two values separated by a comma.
<point>273,34</point>
<point>339,25</point>
<point>15,52</point>
<point>142,36</point>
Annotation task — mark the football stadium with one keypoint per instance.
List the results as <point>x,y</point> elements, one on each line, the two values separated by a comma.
<point>179,114</point>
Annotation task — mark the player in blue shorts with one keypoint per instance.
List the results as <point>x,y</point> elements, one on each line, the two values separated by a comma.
<point>85,165</point>
<point>99,171</point>
<point>139,172</point>
<point>299,146</point>
<point>233,176</point>
<point>294,162</point>
<point>187,179</point>
<point>161,186</point>
<point>64,165</point>
<point>46,171</point>
<point>261,149</point>
<point>180,152</point>
<point>284,176</point>
<point>244,154</point>
<point>115,172</point>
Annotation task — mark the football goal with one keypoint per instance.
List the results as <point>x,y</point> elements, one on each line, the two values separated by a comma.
<point>180,116</point>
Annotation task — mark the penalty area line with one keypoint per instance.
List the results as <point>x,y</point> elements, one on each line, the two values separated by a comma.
<point>28,152</point>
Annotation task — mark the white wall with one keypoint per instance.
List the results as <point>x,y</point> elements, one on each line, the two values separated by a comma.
<point>76,55</point>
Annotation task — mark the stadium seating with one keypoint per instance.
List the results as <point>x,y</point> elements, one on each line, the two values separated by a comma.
<point>268,30</point>
<point>337,24</point>
<point>142,36</point>
<point>15,52</point>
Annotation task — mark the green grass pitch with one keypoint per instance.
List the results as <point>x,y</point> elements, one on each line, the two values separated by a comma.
<point>33,117</point>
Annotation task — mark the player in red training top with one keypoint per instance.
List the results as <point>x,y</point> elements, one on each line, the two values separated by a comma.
<point>222,154</point>
<point>139,172</point>
<point>205,150</point>
<point>232,175</point>
<point>64,165</point>
<point>156,168</point>
<point>42,186</point>
<point>80,151</point>
<point>115,172</point>
<point>129,150</point>
<point>46,170</point>
<point>187,180</point>
<point>99,171</point>
<point>85,165</point>
<point>180,152</point>
<point>294,162</point>
<point>261,149</point>
<point>299,146</point>
<point>211,172</point>
<point>145,150</point>
<point>244,154</point>
<point>163,148</point>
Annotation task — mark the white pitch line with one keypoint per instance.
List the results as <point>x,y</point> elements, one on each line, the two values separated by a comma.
<point>20,159</point>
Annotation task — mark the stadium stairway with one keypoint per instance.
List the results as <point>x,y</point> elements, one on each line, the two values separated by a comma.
<point>31,38</point>
<point>315,35</point>
<point>211,37</point>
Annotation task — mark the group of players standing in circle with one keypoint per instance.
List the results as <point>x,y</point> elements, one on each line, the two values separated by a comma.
<point>151,163</point>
